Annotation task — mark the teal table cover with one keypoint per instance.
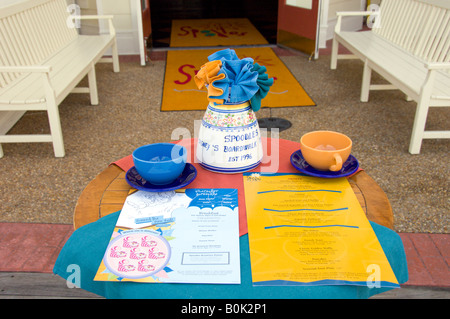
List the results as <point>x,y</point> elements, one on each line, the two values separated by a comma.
<point>84,250</point>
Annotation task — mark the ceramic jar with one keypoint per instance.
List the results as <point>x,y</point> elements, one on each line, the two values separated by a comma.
<point>229,139</point>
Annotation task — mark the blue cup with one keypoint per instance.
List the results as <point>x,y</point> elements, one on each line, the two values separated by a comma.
<point>160,163</point>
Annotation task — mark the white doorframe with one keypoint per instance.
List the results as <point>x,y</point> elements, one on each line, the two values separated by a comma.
<point>323,28</point>
<point>327,24</point>
<point>102,24</point>
<point>133,36</point>
<point>136,18</point>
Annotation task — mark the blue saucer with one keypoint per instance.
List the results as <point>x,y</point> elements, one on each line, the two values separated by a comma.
<point>135,180</point>
<point>350,166</point>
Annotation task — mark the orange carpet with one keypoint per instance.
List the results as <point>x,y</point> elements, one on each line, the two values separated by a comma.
<point>180,92</point>
<point>214,32</point>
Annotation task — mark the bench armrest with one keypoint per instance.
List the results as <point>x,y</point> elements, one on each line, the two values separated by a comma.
<point>43,69</point>
<point>112,31</point>
<point>91,17</point>
<point>341,14</point>
<point>437,65</point>
<point>356,13</point>
<point>26,69</point>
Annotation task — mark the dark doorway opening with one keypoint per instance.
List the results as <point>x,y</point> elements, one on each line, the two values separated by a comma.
<point>262,14</point>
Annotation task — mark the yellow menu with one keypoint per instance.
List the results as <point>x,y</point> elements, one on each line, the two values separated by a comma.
<point>306,230</point>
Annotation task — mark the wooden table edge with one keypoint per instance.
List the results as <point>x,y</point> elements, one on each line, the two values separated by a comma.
<point>87,209</point>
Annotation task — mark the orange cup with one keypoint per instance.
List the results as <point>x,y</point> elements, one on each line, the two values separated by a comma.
<point>325,150</point>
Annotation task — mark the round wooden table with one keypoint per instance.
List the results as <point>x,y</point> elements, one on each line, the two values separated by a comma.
<point>107,192</point>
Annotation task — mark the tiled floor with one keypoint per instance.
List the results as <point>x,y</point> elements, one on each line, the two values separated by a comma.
<point>35,247</point>
<point>428,257</point>
<point>31,247</point>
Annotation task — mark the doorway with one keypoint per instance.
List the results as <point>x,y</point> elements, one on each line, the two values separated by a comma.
<point>261,13</point>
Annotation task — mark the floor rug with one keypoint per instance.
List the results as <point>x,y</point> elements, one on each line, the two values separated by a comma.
<point>181,94</point>
<point>214,32</point>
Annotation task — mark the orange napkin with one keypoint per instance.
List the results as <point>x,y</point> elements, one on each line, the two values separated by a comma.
<point>206,77</point>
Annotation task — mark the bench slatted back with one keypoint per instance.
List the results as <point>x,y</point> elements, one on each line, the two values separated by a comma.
<point>419,27</point>
<point>30,32</point>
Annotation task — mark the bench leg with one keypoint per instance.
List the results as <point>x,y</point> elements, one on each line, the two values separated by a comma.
<point>365,87</point>
<point>115,57</point>
<point>334,54</point>
<point>420,120</point>
<point>1,151</point>
<point>93,86</point>
<point>53,117</point>
<point>56,130</point>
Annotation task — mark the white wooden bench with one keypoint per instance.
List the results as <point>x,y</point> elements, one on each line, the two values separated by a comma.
<point>42,60</point>
<point>409,46</point>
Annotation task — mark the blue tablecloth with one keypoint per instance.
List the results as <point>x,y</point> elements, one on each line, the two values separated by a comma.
<point>87,245</point>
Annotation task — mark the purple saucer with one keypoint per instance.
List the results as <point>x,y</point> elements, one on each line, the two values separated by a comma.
<point>350,166</point>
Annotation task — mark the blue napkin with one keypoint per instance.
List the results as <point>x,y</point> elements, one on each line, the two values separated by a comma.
<point>244,80</point>
<point>264,84</point>
<point>239,84</point>
<point>87,245</point>
<point>225,54</point>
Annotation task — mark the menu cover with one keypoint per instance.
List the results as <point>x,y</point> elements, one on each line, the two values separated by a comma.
<point>175,237</point>
<point>309,231</point>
